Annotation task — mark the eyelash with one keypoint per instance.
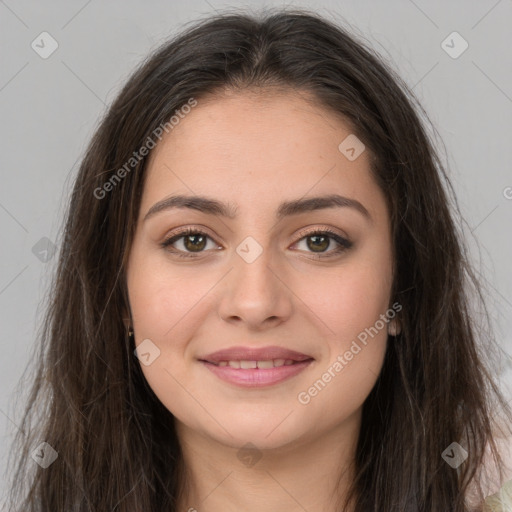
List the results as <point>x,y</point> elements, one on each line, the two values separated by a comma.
<point>343,243</point>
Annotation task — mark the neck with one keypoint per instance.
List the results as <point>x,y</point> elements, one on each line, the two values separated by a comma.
<point>310,474</point>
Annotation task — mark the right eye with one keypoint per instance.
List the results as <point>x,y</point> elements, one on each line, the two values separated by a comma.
<point>192,240</point>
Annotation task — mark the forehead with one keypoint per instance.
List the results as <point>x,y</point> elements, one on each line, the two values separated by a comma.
<point>257,144</point>
<point>281,120</point>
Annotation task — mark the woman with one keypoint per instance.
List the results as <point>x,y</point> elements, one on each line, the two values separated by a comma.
<point>262,298</point>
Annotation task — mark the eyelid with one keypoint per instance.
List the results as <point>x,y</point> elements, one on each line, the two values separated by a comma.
<point>193,228</point>
<point>307,231</point>
<point>301,233</point>
<point>343,241</point>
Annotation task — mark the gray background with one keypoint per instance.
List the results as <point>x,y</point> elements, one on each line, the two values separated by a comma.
<point>50,108</point>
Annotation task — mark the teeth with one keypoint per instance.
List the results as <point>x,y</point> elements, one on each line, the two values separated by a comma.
<point>246,365</point>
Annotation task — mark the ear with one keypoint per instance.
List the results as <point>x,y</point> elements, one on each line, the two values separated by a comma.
<point>127,320</point>
<point>394,327</point>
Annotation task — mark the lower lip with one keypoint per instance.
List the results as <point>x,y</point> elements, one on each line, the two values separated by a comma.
<point>255,377</point>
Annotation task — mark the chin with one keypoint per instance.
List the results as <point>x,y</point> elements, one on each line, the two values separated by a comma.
<point>266,432</point>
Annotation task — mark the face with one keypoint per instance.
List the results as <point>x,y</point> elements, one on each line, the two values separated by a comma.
<point>264,272</point>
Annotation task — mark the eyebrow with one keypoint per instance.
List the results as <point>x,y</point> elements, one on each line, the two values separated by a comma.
<point>213,207</point>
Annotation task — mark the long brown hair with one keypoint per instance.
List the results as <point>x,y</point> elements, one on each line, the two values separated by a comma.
<point>116,443</point>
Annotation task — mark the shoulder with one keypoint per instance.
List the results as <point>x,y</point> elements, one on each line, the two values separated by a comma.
<point>500,501</point>
<point>497,487</point>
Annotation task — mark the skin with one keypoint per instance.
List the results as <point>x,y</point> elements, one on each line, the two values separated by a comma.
<point>255,149</point>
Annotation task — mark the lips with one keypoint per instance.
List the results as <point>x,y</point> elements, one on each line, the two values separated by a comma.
<point>264,357</point>
<point>256,368</point>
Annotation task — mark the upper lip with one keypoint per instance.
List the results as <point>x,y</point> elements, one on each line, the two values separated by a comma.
<point>254,354</point>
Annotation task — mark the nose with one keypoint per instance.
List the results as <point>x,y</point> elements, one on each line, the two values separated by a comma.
<point>255,294</point>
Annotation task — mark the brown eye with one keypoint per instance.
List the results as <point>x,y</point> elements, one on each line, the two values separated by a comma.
<point>195,242</point>
<point>318,243</point>
<point>188,242</point>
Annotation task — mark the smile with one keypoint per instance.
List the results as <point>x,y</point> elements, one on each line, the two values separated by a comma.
<point>247,365</point>
<point>257,374</point>
<point>256,367</point>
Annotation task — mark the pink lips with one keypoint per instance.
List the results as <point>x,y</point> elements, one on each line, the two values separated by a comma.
<point>256,377</point>
<point>254,354</point>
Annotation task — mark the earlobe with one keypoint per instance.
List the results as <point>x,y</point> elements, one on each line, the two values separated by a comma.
<point>394,328</point>
<point>127,322</point>
<point>127,316</point>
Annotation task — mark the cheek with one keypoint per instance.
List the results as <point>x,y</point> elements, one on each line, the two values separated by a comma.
<point>348,300</point>
<point>164,305</point>
<point>351,307</point>
<point>163,301</point>
<point>350,303</point>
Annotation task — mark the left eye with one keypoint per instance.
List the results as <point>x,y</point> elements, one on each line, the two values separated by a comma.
<point>319,241</point>
<point>196,241</point>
